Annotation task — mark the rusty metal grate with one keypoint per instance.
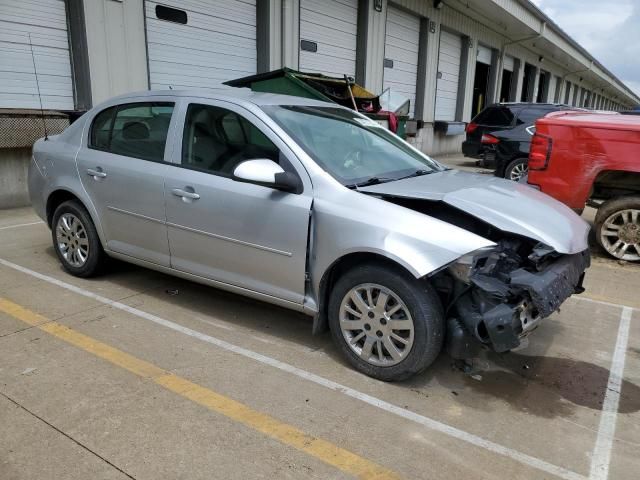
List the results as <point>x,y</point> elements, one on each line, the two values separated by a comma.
<point>21,128</point>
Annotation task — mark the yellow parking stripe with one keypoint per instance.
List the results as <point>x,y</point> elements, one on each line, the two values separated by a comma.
<point>329,453</point>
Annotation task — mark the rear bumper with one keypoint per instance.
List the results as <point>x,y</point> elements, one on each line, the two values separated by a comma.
<point>499,314</point>
<point>36,182</point>
<point>472,149</point>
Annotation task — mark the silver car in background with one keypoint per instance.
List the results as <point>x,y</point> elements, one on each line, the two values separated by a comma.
<point>316,208</point>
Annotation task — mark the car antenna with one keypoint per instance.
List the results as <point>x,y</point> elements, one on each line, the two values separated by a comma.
<point>33,59</point>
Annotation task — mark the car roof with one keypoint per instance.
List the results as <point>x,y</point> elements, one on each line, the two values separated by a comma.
<point>235,95</point>
<point>532,104</point>
<point>607,120</point>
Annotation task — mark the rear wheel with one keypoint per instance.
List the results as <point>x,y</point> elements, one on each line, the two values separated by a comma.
<point>517,169</point>
<point>388,324</point>
<point>76,240</point>
<point>618,228</point>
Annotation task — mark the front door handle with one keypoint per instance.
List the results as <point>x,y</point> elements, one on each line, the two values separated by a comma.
<point>185,194</point>
<point>97,173</point>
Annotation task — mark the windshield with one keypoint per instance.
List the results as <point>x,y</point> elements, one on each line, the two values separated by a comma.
<point>353,149</point>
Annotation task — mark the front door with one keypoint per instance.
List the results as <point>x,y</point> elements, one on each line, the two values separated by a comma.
<point>245,235</point>
<point>122,169</point>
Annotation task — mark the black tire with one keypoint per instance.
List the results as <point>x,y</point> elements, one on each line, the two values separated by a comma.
<point>96,258</point>
<point>423,305</point>
<point>518,162</point>
<point>610,208</point>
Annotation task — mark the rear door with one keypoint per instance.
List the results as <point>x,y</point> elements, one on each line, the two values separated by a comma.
<point>121,166</point>
<point>241,234</point>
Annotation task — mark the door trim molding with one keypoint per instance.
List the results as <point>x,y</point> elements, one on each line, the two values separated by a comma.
<point>137,215</point>
<point>232,240</point>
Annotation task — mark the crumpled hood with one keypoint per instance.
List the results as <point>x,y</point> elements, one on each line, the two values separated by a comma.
<point>507,205</point>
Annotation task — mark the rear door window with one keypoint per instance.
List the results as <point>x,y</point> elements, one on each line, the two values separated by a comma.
<point>495,117</point>
<point>136,130</point>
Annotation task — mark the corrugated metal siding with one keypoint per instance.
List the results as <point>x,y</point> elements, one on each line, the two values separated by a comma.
<point>46,22</point>
<point>509,63</point>
<point>448,76</point>
<point>218,43</point>
<point>401,47</point>
<point>333,26</point>
<point>483,55</point>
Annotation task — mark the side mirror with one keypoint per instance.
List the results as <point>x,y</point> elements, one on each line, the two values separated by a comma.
<point>267,173</point>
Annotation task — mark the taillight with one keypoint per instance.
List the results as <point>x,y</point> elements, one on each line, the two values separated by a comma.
<point>488,139</point>
<point>540,152</point>
<point>471,127</point>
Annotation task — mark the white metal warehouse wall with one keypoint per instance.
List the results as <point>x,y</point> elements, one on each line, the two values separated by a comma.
<point>224,39</point>
<point>217,43</point>
<point>331,26</point>
<point>41,24</point>
<point>401,54</point>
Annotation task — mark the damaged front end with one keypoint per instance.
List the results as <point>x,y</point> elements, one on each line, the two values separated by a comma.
<point>496,296</point>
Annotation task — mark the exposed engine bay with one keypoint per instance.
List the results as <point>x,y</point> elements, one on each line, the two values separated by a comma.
<point>496,296</point>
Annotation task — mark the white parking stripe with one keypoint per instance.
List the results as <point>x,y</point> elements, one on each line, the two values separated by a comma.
<point>602,302</point>
<point>601,457</point>
<point>21,225</point>
<point>430,423</point>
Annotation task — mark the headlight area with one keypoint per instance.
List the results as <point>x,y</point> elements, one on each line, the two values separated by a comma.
<point>496,296</point>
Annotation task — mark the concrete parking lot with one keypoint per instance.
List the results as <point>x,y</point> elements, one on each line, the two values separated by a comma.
<point>140,375</point>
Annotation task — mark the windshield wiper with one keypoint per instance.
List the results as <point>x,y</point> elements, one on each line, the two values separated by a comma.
<point>369,181</point>
<point>417,173</point>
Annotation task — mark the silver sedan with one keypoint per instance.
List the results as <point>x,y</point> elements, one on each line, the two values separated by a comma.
<point>315,208</point>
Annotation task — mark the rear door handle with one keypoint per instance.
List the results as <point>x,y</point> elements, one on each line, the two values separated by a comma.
<point>184,194</point>
<point>97,173</point>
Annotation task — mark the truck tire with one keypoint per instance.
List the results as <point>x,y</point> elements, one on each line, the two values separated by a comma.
<point>388,324</point>
<point>76,241</point>
<point>618,227</point>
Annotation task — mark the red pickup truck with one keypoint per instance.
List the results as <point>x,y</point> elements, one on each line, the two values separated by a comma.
<point>586,158</point>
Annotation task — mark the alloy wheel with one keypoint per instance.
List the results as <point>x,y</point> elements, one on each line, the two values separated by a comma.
<point>518,171</point>
<point>72,240</point>
<point>620,234</point>
<point>376,324</point>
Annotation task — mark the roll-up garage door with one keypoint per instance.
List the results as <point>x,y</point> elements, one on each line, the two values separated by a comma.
<point>45,21</point>
<point>200,43</point>
<point>509,63</point>
<point>328,32</point>
<point>448,76</point>
<point>484,55</point>
<point>401,43</point>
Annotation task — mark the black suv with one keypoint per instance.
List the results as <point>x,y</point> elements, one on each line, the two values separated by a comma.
<point>500,136</point>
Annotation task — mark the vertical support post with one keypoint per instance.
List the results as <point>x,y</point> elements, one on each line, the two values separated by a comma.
<point>291,33</point>
<point>78,50</point>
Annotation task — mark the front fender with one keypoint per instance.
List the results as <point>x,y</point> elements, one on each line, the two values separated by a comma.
<point>358,223</point>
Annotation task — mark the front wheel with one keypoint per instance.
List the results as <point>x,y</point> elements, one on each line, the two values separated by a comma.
<point>618,228</point>
<point>388,324</point>
<point>517,169</point>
